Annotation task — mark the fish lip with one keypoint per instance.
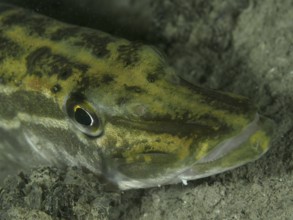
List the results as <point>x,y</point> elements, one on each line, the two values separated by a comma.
<point>189,173</point>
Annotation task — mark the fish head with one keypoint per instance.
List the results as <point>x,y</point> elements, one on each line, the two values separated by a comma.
<point>152,128</point>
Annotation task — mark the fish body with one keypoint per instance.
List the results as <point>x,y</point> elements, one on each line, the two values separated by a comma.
<point>75,96</point>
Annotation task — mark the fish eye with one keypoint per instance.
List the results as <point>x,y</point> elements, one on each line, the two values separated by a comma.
<point>84,116</point>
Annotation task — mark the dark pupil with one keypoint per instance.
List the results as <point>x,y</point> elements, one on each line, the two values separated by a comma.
<point>82,117</point>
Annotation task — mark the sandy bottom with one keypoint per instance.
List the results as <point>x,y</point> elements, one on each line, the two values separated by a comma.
<point>242,46</point>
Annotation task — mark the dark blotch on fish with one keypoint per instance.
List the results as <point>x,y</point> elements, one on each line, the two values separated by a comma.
<point>96,42</point>
<point>64,33</point>
<point>85,83</point>
<point>34,59</point>
<point>151,77</point>
<point>128,54</point>
<point>43,62</point>
<point>106,79</point>
<point>35,24</point>
<point>63,71</point>
<point>8,48</point>
<point>135,89</point>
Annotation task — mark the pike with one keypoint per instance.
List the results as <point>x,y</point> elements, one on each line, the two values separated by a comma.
<point>74,96</point>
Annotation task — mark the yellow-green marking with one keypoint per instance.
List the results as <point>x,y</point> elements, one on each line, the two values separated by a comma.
<point>80,97</point>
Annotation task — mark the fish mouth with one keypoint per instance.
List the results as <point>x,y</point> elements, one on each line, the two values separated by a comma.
<point>248,145</point>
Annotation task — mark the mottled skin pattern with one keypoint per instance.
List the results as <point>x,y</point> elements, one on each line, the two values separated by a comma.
<point>151,125</point>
